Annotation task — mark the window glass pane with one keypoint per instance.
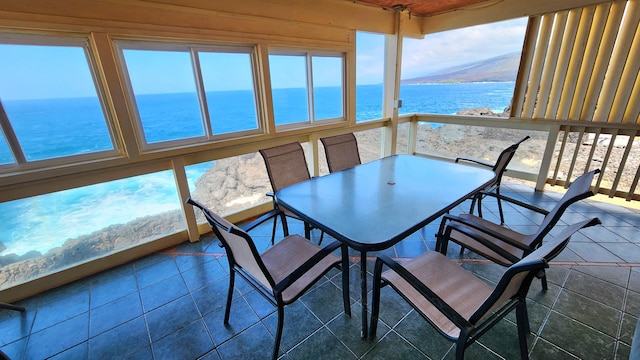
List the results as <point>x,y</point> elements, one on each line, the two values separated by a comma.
<point>469,68</point>
<point>165,91</point>
<point>6,157</point>
<point>289,88</point>
<point>228,82</point>
<point>50,232</point>
<point>231,184</point>
<point>51,101</point>
<point>369,75</point>
<point>327,87</point>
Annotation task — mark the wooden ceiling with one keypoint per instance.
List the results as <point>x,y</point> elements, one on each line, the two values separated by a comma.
<point>425,7</point>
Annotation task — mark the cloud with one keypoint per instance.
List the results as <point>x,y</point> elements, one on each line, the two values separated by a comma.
<point>456,47</point>
<point>441,50</point>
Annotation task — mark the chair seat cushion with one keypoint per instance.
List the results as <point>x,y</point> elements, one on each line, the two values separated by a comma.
<point>463,291</point>
<point>478,247</point>
<point>289,254</point>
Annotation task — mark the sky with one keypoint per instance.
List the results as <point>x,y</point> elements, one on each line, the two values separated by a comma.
<point>32,72</point>
<point>437,51</point>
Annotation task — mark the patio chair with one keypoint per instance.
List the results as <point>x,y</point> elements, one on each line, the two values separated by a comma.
<point>459,305</point>
<point>286,165</point>
<point>283,272</point>
<point>499,168</point>
<point>341,151</point>
<point>500,244</point>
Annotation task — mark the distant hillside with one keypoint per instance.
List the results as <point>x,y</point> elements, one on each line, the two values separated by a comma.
<point>500,68</point>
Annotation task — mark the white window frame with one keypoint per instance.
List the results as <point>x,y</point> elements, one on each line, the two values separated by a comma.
<point>193,49</point>
<point>10,136</point>
<point>309,55</point>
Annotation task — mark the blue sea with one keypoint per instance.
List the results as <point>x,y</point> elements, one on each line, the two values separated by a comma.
<point>76,126</point>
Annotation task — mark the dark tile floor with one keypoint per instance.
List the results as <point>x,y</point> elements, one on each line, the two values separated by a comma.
<point>170,305</point>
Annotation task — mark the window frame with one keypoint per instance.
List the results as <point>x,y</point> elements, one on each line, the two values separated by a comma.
<point>193,49</point>
<point>7,129</point>
<point>309,55</point>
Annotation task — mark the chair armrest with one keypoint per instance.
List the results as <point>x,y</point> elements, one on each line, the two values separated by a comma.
<point>427,293</point>
<point>474,161</point>
<point>306,266</point>
<point>512,201</point>
<point>497,249</point>
<point>466,229</point>
<point>262,218</point>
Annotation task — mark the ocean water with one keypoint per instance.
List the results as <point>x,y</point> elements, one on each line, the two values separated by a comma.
<point>450,98</point>
<point>60,127</point>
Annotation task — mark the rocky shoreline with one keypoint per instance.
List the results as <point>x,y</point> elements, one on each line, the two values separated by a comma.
<point>236,183</point>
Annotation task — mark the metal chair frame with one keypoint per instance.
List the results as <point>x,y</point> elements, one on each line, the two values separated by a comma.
<point>262,278</point>
<point>297,163</point>
<point>500,167</point>
<point>509,294</point>
<point>489,239</point>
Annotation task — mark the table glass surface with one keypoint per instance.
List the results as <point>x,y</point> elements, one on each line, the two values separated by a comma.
<point>374,205</point>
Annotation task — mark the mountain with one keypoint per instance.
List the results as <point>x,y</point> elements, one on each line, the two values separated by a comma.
<point>499,68</point>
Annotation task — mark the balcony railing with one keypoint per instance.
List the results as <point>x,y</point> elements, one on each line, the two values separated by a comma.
<point>557,153</point>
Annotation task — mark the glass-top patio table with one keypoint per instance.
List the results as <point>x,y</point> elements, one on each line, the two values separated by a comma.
<point>373,206</point>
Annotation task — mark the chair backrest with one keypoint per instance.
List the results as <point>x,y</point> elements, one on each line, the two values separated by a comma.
<point>579,189</point>
<point>240,248</point>
<point>517,279</point>
<point>341,151</point>
<point>286,165</point>
<point>505,158</point>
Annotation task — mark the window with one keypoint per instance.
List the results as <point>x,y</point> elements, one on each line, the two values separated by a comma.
<point>184,94</point>
<point>230,184</point>
<point>49,102</point>
<point>230,92</point>
<point>165,115</point>
<point>307,88</point>
<point>462,69</point>
<point>370,54</point>
<point>55,231</point>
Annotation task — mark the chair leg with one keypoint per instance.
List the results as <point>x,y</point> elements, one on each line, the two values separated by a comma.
<point>461,346</point>
<point>543,280</point>
<point>307,231</point>
<point>522,316</point>
<point>522,319</point>
<point>441,244</point>
<point>442,236</point>
<point>346,301</point>
<point>500,206</point>
<point>473,204</point>
<point>285,225</point>
<point>442,240</point>
<point>273,230</point>
<point>375,298</point>
<point>276,346</point>
<point>227,311</point>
